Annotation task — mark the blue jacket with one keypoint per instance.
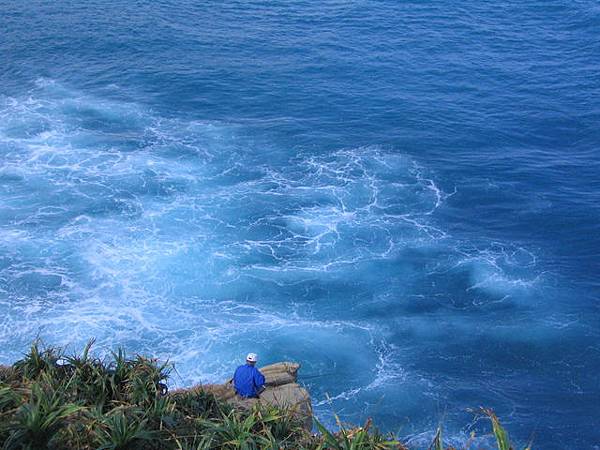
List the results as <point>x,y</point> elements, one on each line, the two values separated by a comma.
<point>248,381</point>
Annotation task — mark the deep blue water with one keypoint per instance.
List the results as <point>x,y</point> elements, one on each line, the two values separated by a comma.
<point>403,196</point>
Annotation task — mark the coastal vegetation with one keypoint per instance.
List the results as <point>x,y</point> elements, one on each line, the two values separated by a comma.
<point>53,400</point>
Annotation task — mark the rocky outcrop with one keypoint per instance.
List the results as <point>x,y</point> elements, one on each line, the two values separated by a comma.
<point>282,390</point>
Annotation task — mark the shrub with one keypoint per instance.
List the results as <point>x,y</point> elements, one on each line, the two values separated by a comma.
<point>36,422</point>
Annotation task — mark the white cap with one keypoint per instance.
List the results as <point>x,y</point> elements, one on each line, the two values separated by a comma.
<point>252,357</point>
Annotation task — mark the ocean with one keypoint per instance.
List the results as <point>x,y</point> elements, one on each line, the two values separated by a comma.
<point>403,196</point>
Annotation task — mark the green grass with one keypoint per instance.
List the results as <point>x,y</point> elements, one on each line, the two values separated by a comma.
<point>51,400</point>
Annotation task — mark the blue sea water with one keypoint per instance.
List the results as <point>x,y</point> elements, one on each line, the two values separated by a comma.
<point>404,196</point>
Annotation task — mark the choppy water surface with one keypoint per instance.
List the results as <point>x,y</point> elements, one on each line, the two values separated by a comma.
<point>402,196</point>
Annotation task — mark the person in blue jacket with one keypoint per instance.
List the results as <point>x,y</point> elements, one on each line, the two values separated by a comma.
<point>247,380</point>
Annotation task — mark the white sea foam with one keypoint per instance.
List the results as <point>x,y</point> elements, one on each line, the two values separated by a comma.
<point>183,240</point>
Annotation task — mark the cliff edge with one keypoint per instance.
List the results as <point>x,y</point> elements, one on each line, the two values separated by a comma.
<point>282,391</point>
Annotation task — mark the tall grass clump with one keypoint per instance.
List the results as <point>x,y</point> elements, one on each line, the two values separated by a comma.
<point>500,434</point>
<point>52,400</point>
